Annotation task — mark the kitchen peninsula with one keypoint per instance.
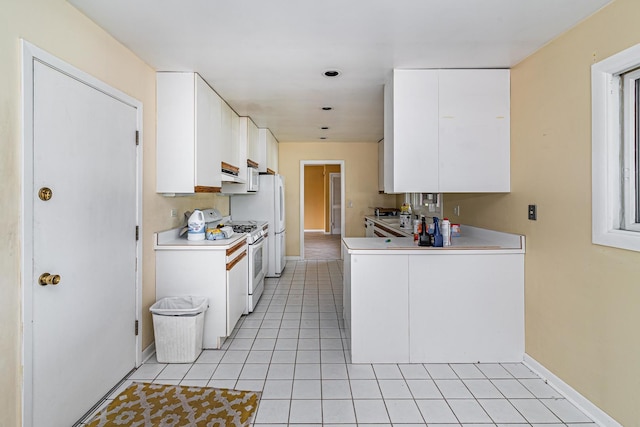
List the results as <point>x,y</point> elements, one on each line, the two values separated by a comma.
<point>460,304</point>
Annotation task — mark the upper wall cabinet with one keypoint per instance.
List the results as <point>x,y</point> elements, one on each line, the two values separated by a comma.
<point>247,142</point>
<point>447,131</point>
<point>267,152</point>
<point>196,140</point>
<point>189,111</point>
<point>381,165</point>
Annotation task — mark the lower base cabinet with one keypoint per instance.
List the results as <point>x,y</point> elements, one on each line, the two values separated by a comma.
<point>217,274</point>
<point>434,308</point>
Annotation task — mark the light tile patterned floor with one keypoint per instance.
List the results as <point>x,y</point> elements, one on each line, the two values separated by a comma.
<point>293,349</point>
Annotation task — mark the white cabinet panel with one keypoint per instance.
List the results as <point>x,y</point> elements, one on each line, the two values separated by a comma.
<point>189,111</point>
<point>466,308</point>
<point>474,131</point>
<point>237,288</point>
<point>252,139</point>
<point>188,116</point>
<point>381,165</point>
<point>447,131</point>
<point>378,311</point>
<point>411,132</point>
<point>267,152</point>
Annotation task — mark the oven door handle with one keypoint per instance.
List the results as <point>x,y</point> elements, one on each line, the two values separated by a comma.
<point>257,242</point>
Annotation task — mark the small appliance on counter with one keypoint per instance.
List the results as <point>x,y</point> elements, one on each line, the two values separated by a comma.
<point>195,226</point>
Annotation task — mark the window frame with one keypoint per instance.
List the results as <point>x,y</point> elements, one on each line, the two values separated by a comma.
<point>609,126</point>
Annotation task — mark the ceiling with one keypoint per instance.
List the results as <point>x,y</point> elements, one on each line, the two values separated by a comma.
<point>266,58</point>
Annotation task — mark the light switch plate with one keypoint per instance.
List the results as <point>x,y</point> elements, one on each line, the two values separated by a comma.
<point>533,212</point>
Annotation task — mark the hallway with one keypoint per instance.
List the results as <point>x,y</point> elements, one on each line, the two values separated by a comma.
<point>318,245</point>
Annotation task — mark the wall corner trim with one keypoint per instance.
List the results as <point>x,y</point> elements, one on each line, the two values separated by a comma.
<point>585,405</point>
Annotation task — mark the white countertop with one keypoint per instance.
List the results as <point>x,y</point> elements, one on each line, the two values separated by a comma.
<point>171,240</point>
<point>473,240</point>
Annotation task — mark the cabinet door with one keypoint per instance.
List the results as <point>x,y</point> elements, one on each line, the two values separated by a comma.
<point>272,153</point>
<point>381,165</point>
<point>462,311</point>
<point>411,132</point>
<point>225,143</point>
<point>261,152</point>
<point>207,128</point>
<point>379,319</point>
<point>176,137</point>
<point>252,141</point>
<point>474,131</point>
<point>237,290</point>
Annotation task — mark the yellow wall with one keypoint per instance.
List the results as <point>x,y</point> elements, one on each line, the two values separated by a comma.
<point>58,28</point>
<point>328,169</point>
<point>582,300</point>
<point>360,173</point>
<point>314,197</point>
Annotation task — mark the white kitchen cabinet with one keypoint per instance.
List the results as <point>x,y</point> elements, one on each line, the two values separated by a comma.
<point>188,110</point>
<point>379,327</point>
<point>447,131</point>
<point>234,158</point>
<point>381,165</point>
<point>460,304</point>
<point>411,132</point>
<point>197,133</point>
<point>242,134</point>
<point>250,131</point>
<point>267,152</point>
<point>474,143</point>
<point>462,311</point>
<point>215,270</point>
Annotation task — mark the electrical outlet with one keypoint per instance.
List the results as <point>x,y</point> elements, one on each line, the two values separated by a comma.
<point>456,210</point>
<point>173,213</point>
<point>533,212</point>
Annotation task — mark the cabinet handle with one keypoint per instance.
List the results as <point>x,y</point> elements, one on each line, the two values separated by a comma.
<point>238,246</point>
<point>237,260</point>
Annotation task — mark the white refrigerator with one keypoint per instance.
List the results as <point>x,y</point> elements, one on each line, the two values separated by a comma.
<point>267,204</point>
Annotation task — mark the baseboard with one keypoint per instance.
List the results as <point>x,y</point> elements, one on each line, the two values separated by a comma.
<point>148,352</point>
<point>293,258</point>
<point>592,411</point>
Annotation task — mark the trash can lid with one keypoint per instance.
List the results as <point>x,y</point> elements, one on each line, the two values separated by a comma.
<point>180,306</point>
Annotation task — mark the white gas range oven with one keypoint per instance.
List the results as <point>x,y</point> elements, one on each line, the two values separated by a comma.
<point>257,235</point>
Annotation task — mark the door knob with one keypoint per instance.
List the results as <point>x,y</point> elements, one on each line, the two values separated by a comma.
<point>49,279</point>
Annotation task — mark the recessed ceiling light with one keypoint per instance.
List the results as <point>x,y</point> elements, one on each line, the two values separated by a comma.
<point>332,73</point>
<point>325,128</point>
<point>327,108</point>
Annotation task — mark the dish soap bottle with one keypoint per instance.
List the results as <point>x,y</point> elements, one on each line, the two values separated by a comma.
<point>425,238</point>
<point>437,235</point>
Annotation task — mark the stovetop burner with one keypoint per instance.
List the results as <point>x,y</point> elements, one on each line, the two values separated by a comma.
<point>244,228</point>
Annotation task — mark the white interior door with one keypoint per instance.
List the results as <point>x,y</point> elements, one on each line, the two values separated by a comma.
<point>83,339</point>
<point>336,204</point>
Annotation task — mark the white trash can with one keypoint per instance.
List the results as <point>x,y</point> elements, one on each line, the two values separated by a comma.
<point>178,325</point>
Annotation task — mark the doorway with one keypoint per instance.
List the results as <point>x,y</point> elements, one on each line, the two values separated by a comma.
<point>322,213</point>
<point>81,257</point>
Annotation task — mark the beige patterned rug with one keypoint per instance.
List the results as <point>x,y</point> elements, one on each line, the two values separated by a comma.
<point>143,404</point>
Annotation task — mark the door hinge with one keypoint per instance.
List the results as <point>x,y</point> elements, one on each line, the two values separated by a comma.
<point>137,233</point>
<point>137,137</point>
<point>136,328</point>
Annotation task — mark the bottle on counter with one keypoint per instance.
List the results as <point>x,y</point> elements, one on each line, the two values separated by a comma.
<point>446,232</point>
<point>405,215</point>
<point>425,238</point>
<point>416,229</point>
<point>437,234</point>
